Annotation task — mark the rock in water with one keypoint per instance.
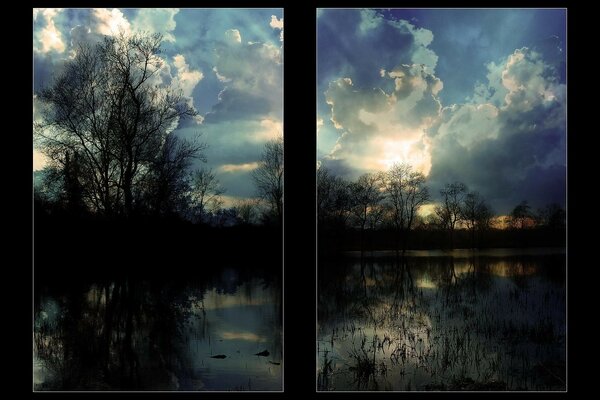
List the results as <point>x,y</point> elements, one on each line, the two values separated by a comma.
<point>219,356</point>
<point>263,353</point>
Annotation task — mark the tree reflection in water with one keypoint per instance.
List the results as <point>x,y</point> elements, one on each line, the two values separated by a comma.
<point>128,334</point>
<point>442,323</point>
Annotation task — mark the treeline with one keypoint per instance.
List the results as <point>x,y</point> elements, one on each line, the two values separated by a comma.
<point>106,126</point>
<point>194,196</point>
<point>380,211</point>
<point>119,191</point>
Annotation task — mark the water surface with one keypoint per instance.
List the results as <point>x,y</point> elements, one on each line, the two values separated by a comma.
<point>130,334</point>
<point>491,321</point>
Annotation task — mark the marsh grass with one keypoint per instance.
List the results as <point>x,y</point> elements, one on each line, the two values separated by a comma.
<point>443,325</point>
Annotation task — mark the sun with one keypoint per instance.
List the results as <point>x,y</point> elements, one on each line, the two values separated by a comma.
<point>393,151</point>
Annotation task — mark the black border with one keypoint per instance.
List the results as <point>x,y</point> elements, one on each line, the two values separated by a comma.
<point>300,159</point>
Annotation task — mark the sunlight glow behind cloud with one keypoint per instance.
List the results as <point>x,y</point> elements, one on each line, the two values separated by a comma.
<point>380,102</point>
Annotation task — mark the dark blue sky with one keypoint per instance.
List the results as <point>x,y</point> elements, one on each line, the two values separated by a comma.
<point>481,36</point>
<point>473,95</point>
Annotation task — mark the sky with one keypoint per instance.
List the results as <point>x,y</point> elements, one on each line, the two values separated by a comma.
<point>477,96</point>
<point>227,62</point>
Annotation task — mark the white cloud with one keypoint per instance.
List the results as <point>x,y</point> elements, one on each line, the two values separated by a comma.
<point>512,133</point>
<point>371,20</point>
<point>245,167</point>
<point>368,20</point>
<point>110,22</point>
<point>379,128</point>
<point>49,38</point>
<point>253,75</point>
<point>529,81</point>
<point>269,129</point>
<point>233,36</point>
<point>161,20</point>
<point>220,77</point>
<point>469,124</point>
<point>186,78</point>
<point>276,23</point>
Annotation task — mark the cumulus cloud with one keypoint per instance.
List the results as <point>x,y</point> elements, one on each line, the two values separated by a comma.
<point>381,104</point>
<point>161,20</point>
<point>110,22</point>
<point>381,128</point>
<point>233,36</point>
<point>49,38</point>
<point>277,24</point>
<point>359,43</point>
<point>506,148</point>
<point>227,65</point>
<point>270,129</point>
<point>253,75</point>
<point>186,78</point>
<point>248,111</point>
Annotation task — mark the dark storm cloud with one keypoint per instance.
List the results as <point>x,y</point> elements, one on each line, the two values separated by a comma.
<point>501,151</point>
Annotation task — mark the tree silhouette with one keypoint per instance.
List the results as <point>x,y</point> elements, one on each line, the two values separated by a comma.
<point>333,198</point>
<point>521,216</point>
<point>450,211</point>
<point>366,194</point>
<point>268,177</point>
<point>246,210</point>
<point>109,111</point>
<point>406,192</point>
<point>551,216</point>
<point>476,214</point>
<point>166,185</point>
<point>206,192</point>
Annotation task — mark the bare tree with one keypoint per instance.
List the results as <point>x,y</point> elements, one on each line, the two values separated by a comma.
<point>268,177</point>
<point>366,194</point>
<point>406,192</point>
<point>246,210</point>
<point>205,192</point>
<point>165,187</point>
<point>333,198</point>
<point>107,109</point>
<point>450,211</point>
<point>476,214</point>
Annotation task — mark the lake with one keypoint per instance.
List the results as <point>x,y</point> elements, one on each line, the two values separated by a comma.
<point>437,321</point>
<point>219,332</point>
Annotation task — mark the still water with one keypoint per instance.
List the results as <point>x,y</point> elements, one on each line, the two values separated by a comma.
<point>218,333</point>
<point>460,321</point>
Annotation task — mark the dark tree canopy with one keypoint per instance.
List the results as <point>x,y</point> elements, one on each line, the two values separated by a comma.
<point>450,211</point>
<point>107,121</point>
<point>406,193</point>
<point>333,198</point>
<point>205,192</point>
<point>521,216</point>
<point>268,177</point>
